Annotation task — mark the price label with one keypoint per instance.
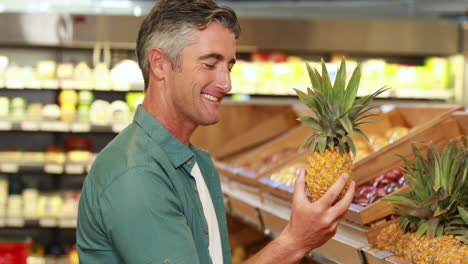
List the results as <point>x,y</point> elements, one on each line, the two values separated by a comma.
<point>9,167</point>
<point>29,126</point>
<point>117,127</point>
<point>53,168</point>
<point>15,221</point>
<point>55,126</point>
<point>67,222</point>
<point>48,222</point>
<point>80,127</point>
<point>74,169</point>
<point>5,125</point>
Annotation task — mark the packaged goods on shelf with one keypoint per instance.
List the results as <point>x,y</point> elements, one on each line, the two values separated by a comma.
<point>3,66</point>
<point>127,75</point>
<point>266,77</point>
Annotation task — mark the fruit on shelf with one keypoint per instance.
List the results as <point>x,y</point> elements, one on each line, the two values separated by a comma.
<point>379,187</point>
<point>377,142</point>
<point>433,227</point>
<point>265,160</point>
<point>286,175</point>
<point>395,133</point>
<point>338,115</point>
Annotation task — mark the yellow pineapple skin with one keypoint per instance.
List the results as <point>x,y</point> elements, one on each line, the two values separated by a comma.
<point>440,250</point>
<point>323,169</point>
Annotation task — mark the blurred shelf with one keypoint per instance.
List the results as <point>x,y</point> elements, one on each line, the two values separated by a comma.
<point>45,168</point>
<point>404,95</point>
<point>55,88</point>
<point>19,222</point>
<point>60,126</point>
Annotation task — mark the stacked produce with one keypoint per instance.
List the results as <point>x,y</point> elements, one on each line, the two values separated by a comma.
<point>338,114</point>
<point>433,227</point>
<point>379,187</point>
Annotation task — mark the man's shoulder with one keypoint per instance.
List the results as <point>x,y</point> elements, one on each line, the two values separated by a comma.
<point>128,153</point>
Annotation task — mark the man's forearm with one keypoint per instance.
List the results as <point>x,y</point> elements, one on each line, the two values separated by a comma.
<point>282,248</point>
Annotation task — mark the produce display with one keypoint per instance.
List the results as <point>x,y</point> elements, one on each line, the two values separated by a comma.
<point>74,106</point>
<point>76,150</point>
<point>30,203</point>
<point>379,187</point>
<point>433,227</point>
<point>274,73</point>
<point>47,74</point>
<point>338,115</point>
<point>287,175</point>
<point>266,160</point>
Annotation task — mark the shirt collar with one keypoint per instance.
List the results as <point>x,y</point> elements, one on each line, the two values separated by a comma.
<point>177,152</point>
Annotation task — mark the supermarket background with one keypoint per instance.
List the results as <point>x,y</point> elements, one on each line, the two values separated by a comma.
<point>69,83</point>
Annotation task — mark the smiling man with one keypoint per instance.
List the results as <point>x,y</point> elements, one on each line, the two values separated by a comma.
<point>151,196</point>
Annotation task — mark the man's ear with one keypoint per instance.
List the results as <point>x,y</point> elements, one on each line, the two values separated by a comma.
<point>158,63</point>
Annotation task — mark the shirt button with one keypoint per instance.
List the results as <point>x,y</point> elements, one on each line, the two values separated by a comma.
<point>166,261</point>
<point>206,230</point>
<point>195,189</point>
<point>189,162</point>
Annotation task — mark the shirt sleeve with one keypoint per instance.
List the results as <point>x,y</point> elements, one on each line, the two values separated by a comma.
<point>145,221</point>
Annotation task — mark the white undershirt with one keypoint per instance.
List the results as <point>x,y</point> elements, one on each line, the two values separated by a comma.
<point>214,248</point>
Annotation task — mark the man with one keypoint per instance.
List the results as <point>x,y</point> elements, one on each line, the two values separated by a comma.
<point>151,196</point>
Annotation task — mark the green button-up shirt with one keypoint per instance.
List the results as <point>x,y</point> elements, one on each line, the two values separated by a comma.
<point>140,204</point>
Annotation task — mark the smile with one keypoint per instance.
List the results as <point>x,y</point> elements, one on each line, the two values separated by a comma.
<point>210,97</point>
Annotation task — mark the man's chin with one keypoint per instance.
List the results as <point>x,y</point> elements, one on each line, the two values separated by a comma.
<point>209,123</point>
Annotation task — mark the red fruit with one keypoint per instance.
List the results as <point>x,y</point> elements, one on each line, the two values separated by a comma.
<point>391,175</point>
<point>373,199</point>
<point>382,191</point>
<point>376,181</point>
<point>366,190</point>
<point>384,182</point>
<point>402,181</point>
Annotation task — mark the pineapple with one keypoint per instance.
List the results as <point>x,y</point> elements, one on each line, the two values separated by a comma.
<point>433,227</point>
<point>338,114</point>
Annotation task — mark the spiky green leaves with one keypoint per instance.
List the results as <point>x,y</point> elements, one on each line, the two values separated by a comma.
<point>438,201</point>
<point>337,112</point>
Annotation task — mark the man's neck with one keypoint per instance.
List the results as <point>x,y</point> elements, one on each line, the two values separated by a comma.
<point>168,117</point>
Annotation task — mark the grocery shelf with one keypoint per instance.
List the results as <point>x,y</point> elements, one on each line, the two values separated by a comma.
<point>19,222</point>
<point>403,95</point>
<point>349,245</point>
<point>60,126</point>
<point>57,87</point>
<point>47,168</point>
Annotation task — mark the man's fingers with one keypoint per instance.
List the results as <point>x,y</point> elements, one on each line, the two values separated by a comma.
<point>299,186</point>
<point>342,205</point>
<point>330,196</point>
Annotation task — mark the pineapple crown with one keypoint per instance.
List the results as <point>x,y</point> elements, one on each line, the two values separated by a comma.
<point>337,112</point>
<point>438,201</point>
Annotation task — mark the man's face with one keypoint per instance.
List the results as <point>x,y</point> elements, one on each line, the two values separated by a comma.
<point>202,77</point>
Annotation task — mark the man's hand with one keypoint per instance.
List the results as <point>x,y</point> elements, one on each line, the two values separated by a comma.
<point>310,225</point>
<point>313,224</point>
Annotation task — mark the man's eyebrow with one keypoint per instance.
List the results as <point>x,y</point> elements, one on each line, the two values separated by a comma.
<point>216,56</point>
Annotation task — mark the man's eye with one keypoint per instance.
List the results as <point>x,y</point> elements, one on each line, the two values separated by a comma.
<point>209,66</point>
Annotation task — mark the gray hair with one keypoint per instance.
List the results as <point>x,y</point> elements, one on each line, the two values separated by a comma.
<point>170,24</point>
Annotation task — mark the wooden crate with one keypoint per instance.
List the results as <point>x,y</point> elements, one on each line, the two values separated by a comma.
<point>234,170</point>
<point>272,222</point>
<point>340,252</point>
<point>377,256</point>
<point>439,132</point>
<point>438,129</point>
<point>244,210</point>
